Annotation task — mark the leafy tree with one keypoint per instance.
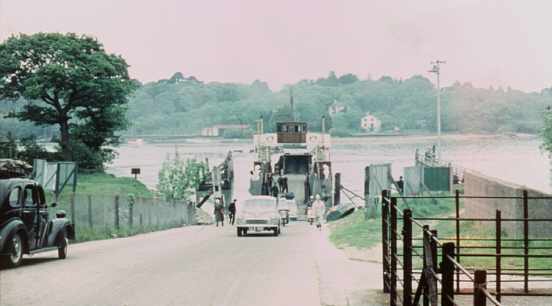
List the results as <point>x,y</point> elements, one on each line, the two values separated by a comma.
<point>546,132</point>
<point>70,81</point>
<point>177,177</point>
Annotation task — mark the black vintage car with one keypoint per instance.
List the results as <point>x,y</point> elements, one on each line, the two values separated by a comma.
<point>25,224</point>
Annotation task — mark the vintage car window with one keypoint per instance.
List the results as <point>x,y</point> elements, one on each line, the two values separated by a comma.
<point>40,196</point>
<point>13,200</point>
<point>29,197</point>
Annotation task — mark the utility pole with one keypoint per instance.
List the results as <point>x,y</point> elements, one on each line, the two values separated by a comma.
<point>292,104</point>
<point>437,70</point>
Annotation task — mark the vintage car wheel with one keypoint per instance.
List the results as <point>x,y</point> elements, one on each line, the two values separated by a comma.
<point>62,246</point>
<point>15,251</point>
<point>275,232</point>
<point>239,230</point>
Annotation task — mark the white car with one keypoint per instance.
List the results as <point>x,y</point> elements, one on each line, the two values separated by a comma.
<point>258,214</point>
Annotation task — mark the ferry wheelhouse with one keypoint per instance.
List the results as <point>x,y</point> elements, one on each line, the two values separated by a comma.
<point>298,156</point>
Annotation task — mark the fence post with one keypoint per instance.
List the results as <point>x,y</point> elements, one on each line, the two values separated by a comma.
<point>479,284</point>
<point>131,213</point>
<point>447,275</point>
<point>393,285</point>
<point>498,252</point>
<point>72,207</point>
<point>407,257</point>
<point>525,241</point>
<point>425,250</point>
<point>457,206</point>
<point>116,214</point>
<point>385,238</point>
<point>433,250</point>
<point>337,190</point>
<point>90,220</point>
<point>433,245</point>
<point>367,187</point>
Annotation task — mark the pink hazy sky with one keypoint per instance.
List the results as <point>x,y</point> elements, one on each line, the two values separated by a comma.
<point>488,43</point>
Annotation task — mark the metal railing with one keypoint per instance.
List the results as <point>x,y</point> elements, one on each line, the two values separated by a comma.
<point>431,276</point>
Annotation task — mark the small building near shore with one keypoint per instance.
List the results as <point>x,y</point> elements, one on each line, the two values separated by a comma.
<point>370,123</point>
<point>219,129</point>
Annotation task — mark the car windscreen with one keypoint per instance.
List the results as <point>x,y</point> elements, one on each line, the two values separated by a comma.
<point>260,205</point>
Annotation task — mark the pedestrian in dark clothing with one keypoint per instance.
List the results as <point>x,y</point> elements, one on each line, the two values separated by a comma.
<point>232,210</point>
<point>400,185</point>
<point>275,191</point>
<point>284,187</point>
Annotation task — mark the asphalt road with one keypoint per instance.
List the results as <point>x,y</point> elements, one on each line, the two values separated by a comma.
<point>186,266</point>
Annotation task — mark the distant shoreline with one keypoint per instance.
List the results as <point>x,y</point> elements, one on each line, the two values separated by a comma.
<point>420,136</point>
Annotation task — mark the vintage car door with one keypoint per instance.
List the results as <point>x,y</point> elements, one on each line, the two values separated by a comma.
<point>30,214</point>
<point>43,217</point>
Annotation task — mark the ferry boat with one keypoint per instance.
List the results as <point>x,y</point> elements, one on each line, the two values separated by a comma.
<point>298,156</point>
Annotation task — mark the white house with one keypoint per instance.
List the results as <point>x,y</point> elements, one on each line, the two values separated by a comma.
<point>370,123</point>
<point>336,108</point>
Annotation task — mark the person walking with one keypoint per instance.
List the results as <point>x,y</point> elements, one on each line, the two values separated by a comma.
<point>400,185</point>
<point>275,191</point>
<point>319,209</point>
<point>219,212</point>
<point>232,212</point>
<point>284,188</point>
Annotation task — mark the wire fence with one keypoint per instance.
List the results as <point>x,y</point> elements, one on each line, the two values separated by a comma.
<point>97,216</point>
<point>414,248</point>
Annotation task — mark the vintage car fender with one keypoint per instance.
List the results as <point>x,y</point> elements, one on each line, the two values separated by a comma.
<point>8,228</point>
<point>58,225</point>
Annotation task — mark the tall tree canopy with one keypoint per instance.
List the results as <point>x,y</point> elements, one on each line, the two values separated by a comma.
<point>70,81</point>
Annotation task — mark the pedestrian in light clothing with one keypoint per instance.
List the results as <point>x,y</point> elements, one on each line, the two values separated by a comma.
<point>319,209</point>
<point>232,212</point>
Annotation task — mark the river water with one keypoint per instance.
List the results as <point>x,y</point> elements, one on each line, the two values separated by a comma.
<point>514,158</point>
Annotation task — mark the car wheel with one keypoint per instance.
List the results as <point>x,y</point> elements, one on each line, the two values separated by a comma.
<point>275,232</point>
<point>63,243</point>
<point>239,230</point>
<point>14,252</point>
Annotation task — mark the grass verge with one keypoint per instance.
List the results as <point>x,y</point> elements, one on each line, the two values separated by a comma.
<point>103,188</point>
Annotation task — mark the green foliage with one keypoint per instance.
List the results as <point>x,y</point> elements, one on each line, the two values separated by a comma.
<point>184,105</point>
<point>8,147</point>
<point>70,81</point>
<point>546,132</point>
<point>31,150</point>
<point>178,176</point>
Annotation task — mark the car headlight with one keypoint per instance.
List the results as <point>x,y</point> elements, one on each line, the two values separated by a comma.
<point>240,221</point>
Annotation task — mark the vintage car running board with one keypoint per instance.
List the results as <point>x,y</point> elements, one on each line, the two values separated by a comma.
<point>42,250</point>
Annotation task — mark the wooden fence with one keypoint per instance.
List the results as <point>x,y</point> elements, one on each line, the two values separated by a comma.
<point>441,282</point>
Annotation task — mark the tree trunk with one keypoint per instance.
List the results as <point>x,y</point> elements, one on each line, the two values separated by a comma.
<point>64,140</point>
